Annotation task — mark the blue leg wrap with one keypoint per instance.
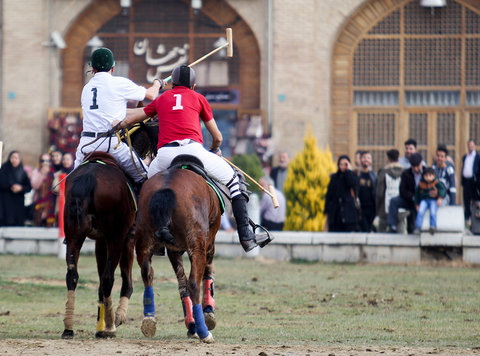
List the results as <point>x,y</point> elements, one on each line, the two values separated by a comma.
<point>149,302</point>
<point>200,326</point>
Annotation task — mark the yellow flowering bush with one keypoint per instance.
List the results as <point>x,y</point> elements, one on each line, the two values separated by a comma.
<point>306,186</point>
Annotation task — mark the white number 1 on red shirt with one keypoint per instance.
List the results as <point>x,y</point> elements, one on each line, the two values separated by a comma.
<point>178,103</point>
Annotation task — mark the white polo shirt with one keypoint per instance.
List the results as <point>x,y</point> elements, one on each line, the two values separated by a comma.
<point>104,100</point>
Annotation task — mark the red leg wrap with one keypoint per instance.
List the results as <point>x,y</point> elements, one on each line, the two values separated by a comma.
<point>188,310</point>
<point>208,293</point>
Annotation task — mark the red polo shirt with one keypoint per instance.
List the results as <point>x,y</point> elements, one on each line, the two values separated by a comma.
<point>179,112</point>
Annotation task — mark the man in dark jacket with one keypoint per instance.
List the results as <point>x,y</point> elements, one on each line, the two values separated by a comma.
<point>366,192</point>
<point>470,171</point>
<point>388,186</point>
<point>409,180</point>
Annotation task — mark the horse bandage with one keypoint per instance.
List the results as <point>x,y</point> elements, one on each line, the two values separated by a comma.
<point>148,302</point>
<point>200,326</point>
<point>208,303</point>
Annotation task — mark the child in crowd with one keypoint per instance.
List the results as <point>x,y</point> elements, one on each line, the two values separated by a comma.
<point>428,195</point>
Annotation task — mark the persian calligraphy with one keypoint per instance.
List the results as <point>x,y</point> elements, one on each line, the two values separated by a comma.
<point>163,61</point>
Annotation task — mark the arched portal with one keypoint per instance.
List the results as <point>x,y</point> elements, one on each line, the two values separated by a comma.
<point>166,26</point>
<point>400,70</point>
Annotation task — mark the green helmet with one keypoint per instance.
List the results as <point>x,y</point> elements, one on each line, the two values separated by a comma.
<point>102,60</point>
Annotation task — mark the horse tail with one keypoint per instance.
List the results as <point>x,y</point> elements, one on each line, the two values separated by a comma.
<point>81,194</point>
<point>161,208</point>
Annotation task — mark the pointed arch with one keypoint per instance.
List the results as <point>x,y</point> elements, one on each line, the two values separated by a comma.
<point>98,13</point>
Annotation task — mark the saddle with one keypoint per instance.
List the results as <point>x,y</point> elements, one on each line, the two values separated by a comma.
<point>107,159</point>
<point>193,164</point>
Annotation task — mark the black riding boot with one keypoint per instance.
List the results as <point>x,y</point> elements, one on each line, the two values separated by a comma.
<point>245,233</point>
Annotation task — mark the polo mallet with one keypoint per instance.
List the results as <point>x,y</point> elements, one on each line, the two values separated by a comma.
<point>228,44</point>
<point>270,191</point>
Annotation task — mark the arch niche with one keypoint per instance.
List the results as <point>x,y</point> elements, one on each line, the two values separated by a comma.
<point>421,52</point>
<point>98,13</point>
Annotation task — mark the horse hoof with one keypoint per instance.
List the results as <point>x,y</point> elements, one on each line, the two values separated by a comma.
<point>67,334</point>
<point>192,336</point>
<point>208,339</point>
<point>210,320</point>
<point>105,334</point>
<point>119,319</point>
<point>149,327</point>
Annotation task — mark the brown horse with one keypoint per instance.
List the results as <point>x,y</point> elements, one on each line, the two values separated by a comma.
<point>99,204</point>
<point>180,211</point>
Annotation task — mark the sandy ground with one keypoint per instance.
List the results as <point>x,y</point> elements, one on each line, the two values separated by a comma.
<point>192,347</point>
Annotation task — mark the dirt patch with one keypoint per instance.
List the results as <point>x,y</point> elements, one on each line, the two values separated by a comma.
<point>192,347</point>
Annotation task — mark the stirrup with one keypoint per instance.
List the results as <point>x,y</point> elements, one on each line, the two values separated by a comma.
<point>263,237</point>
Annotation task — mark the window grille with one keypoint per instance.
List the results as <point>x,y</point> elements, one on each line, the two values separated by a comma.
<point>376,129</point>
<point>418,123</point>
<point>474,126</point>
<point>446,128</point>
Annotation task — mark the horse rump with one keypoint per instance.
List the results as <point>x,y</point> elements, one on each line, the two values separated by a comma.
<point>81,195</point>
<point>161,207</point>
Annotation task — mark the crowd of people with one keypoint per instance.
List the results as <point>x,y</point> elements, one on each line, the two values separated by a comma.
<point>406,186</point>
<point>28,196</point>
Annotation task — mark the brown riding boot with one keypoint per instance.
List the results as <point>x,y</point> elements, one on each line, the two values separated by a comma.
<point>245,234</point>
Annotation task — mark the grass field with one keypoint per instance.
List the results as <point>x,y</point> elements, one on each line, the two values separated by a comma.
<point>266,302</point>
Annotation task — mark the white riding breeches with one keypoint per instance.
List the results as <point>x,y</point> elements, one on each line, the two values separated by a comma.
<point>121,154</point>
<point>215,166</point>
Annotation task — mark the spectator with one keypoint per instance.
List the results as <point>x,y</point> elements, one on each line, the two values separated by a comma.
<point>272,218</point>
<point>279,173</point>
<point>410,148</point>
<point>358,162</point>
<point>428,195</point>
<point>67,162</point>
<point>56,157</point>
<point>225,223</point>
<point>67,167</point>
<point>14,183</point>
<point>388,186</point>
<point>445,173</point>
<point>38,178</point>
<point>366,192</point>
<point>470,170</point>
<point>43,206</point>
<point>409,180</point>
<point>340,207</point>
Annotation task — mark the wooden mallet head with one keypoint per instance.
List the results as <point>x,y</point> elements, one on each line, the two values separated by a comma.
<point>230,42</point>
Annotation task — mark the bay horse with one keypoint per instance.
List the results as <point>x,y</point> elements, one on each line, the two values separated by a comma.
<point>100,204</point>
<point>177,205</point>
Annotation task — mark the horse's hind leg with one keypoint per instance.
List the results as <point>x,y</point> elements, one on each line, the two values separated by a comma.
<point>109,260</point>
<point>208,301</point>
<point>74,244</point>
<point>198,263</point>
<point>144,259</point>
<point>177,264</point>
<point>101,257</point>
<point>126,263</point>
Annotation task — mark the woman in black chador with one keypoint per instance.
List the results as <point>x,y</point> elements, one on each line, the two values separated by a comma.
<point>340,208</point>
<point>14,183</point>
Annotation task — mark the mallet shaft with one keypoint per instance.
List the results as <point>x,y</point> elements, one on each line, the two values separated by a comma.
<point>270,191</point>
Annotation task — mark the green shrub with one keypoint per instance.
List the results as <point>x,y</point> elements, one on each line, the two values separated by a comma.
<point>306,186</point>
<point>251,165</point>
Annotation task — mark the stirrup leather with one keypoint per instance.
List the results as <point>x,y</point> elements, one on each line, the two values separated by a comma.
<point>263,237</point>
